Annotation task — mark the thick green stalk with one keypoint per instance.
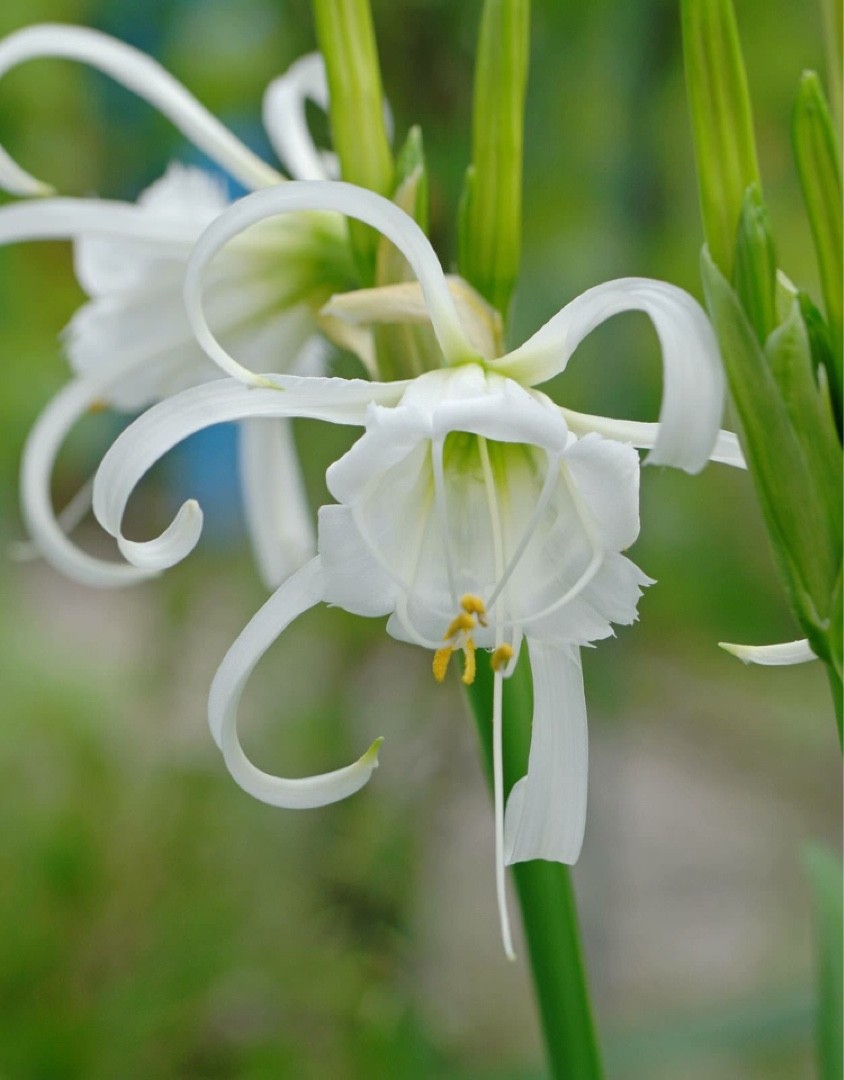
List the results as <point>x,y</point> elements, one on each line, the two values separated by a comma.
<point>491,212</point>
<point>358,128</point>
<point>824,871</point>
<point>546,898</point>
<point>721,121</point>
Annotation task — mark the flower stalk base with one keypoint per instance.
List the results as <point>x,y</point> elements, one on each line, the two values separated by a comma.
<point>546,897</point>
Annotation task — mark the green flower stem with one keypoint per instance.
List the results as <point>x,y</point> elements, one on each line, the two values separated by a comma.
<point>546,898</point>
<point>359,132</point>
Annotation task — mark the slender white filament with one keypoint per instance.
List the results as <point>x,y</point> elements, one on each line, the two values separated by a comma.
<point>437,446</point>
<point>497,712</point>
<point>551,477</point>
<point>593,566</point>
<point>498,798</point>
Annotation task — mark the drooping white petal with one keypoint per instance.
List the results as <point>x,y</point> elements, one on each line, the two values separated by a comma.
<point>286,122</point>
<point>342,198</point>
<point>65,219</point>
<point>298,594</point>
<point>144,77</point>
<point>48,535</point>
<point>787,652</point>
<point>693,380</point>
<point>726,451</point>
<point>278,515</point>
<point>546,810</point>
<point>338,401</point>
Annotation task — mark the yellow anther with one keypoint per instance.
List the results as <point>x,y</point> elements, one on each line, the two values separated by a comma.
<point>469,666</point>
<point>441,659</point>
<point>474,605</point>
<point>502,656</point>
<point>463,621</point>
<point>97,407</point>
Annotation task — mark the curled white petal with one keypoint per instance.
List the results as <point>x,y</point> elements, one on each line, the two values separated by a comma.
<point>781,655</point>
<point>176,542</point>
<point>339,401</point>
<point>48,535</point>
<point>726,451</point>
<point>546,810</point>
<point>286,122</point>
<point>342,198</point>
<point>72,514</point>
<point>144,77</point>
<point>298,594</point>
<point>693,379</point>
<point>278,515</point>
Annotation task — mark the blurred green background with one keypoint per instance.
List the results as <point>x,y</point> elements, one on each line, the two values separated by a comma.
<point>156,922</point>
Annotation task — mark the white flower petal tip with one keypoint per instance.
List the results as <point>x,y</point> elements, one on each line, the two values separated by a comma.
<point>370,758</point>
<point>780,655</point>
<point>175,543</point>
<point>299,593</point>
<point>18,181</point>
<point>308,793</point>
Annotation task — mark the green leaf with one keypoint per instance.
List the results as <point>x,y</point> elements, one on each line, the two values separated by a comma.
<point>412,174</point>
<point>546,897</point>
<point>490,220</point>
<point>825,873</point>
<point>817,156</point>
<point>722,123</point>
<point>806,538</point>
<point>789,353</point>
<point>755,271</point>
<point>821,345</point>
<point>359,133</point>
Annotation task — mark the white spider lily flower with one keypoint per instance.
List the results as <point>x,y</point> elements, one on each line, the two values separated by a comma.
<point>470,512</point>
<point>780,655</point>
<point>131,343</point>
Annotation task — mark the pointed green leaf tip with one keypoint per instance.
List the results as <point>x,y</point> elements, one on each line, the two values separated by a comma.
<point>755,272</point>
<point>491,209</point>
<point>722,123</point>
<point>817,156</point>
